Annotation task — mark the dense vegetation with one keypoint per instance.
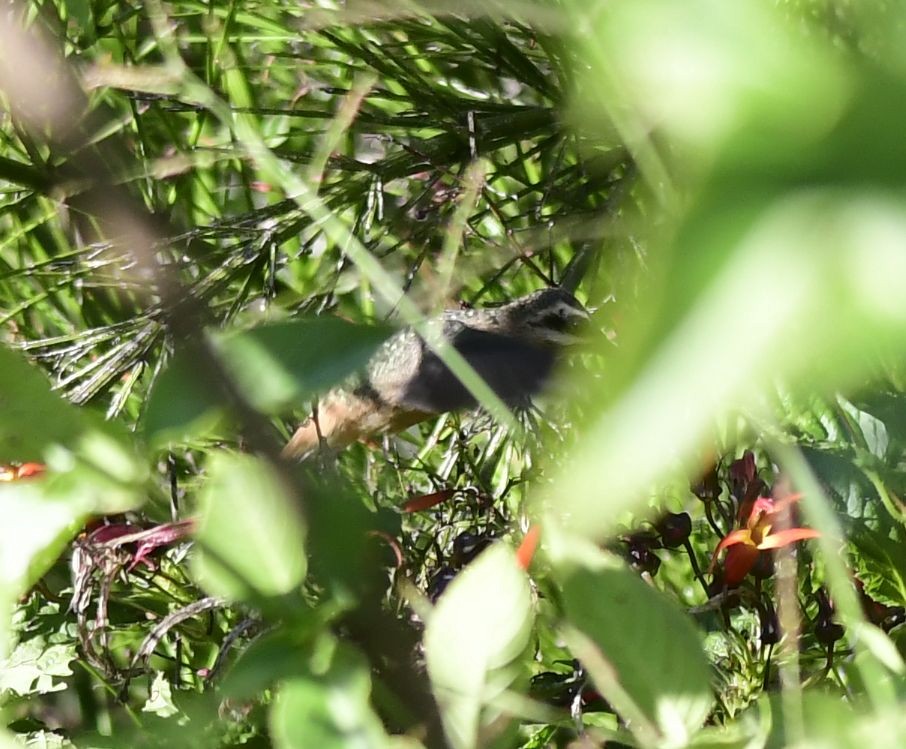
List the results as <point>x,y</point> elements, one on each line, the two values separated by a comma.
<point>209,214</point>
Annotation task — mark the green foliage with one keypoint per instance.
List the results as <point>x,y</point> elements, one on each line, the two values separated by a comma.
<point>207,215</point>
<point>473,660</point>
<point>32,666</point>
<point>275,365</point>
<point>654,671</point>
<point>328,708</point>
<point>243,508</point>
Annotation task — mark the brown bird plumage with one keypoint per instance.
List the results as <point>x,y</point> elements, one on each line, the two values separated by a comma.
<point>513,347</point>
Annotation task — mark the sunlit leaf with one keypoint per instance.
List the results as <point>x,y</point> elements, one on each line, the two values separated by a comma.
<point>474,643</point>
<point>160,697</point>
<point>35,667</point>
<point>251,534</point>
<point>329,708</point>
<point>642,652</point>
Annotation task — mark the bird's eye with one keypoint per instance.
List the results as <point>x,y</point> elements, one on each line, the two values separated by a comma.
<point>556,322</point>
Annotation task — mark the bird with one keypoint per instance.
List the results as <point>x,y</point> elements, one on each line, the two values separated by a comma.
<point>513,347</point>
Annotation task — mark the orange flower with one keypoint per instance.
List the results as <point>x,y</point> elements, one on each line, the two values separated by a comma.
<point>526,551</point>
<point>23,471</point>
<point>746,543</point>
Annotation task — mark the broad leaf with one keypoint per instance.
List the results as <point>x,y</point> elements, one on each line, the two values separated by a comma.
<point>474,643</point>
<point>31,416</point>
<point>273,656</point>
<point>34,667</point>
<point>644,655</point>
<point>275,366</point>
<point>328,709</point>
<point>283,363</point>
<point>38,425</point>
<point>251,532</point>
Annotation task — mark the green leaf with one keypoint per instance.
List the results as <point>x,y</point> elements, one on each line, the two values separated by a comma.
<point>31,416</point>
<point>181,404</point>
<point>91,469</point>
<point>828,722</point>
<point>286,362</point>
<point>329,709</point>
<point>40,518</point>
<point>91,462</point>
<point>275,366</point>
<point>160,697</point>
<point>271,657</point>
<point>644,655</point>
<point>251,532</point>
<point>35,529</point>
<point>474,643</point>
<point>34,667</point>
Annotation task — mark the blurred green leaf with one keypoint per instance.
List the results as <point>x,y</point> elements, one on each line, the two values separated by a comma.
<point>828,721</point>
<point>251,532</point>
<point>41,516</point>
<point>36,526</point>
<point>91,469</point>
<point>275,656</point>
<point>91,463</point>
<point>275,366</point>
<point>32,417</point>
<point>328,709</point>
<point>722,353</point>
<point>181,404</point>
<point>286,363</point>
<point>475,641</point>
<point>643,653</point>
<point>685,70</point>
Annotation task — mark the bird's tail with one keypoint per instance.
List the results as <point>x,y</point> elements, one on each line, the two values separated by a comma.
<point>342,418</point>
<point>335,423</point>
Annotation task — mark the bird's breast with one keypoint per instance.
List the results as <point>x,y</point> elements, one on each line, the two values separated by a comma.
<point>515,371</point>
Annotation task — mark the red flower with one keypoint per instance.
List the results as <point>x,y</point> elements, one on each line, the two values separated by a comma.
<point>422,502</point>
<point>746,543</point>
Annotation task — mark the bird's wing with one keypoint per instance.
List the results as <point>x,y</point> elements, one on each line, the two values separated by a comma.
<point>515,370</point>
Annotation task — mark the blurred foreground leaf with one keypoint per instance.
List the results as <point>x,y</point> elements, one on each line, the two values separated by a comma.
<point>273,656</point>
<point>644,655</point>
<point>31,416</point>
<point>90,470</point>
<point>251,532</point>
<point>330,708</point>
<point>782,260</point>
<point>285,363</point>
<point>474,645</point>
<point>275,366</point>
<point>36,424</point>
<point>828,721</point>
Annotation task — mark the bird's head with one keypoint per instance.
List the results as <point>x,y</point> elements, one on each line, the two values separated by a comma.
<point>550,317</point>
